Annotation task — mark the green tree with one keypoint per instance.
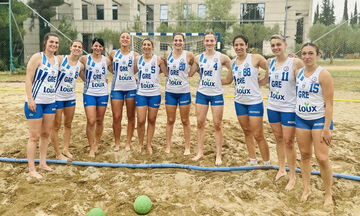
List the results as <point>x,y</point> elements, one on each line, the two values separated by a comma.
<point>21,13</point>
<point>327,15</point>
<point>354,17</point>
<point>345,14</point>
<point>256,33</point>
<point>66,28</point>
<point>46,8</point>
<point>111,39</point>
<point>330,44</point>
<point>317,14</point>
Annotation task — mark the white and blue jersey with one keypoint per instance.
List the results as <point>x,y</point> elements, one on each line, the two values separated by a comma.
<point>310,103</point>
<point>95,77</point>
<point>245,76</point>
<point>123,65</point>
<point>66,83</point>
<point>177,80</point>
<point>44,81</point>
<point>210,75</point>
<point>282,86</point>
<point>148,82</point>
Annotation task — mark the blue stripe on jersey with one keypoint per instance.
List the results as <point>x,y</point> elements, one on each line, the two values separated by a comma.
<point>139,78</point>
<point>68,67</point>
<point>117,53</point>
<point>64,62</point>
<point>171,54</point>
<point>201,57</point>
<point>140,60</point>
<point>234,64</point>
<point>205,60</point>
<point>60,78</point>
<point>272,64</point>
<point>115,75</point>
<point>120,56</point>
<point>44,58</point>
<point>302,78</point>
<point>39,85</point>
<point>89,60</point>
<point>48,64</point>
<point>171,60</point>
<point>93,64</point>
<point>37,76</point>
<point>300,73</point>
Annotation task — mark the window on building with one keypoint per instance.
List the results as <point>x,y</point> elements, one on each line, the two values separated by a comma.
<point>164,9</point>
<point>84,10</point>
<point>163,47</point>
<point>100,12</point>
<point>150,18</point>
<point>252,13</point>
<point>187,10</point>
<point>299,31</point>
<point>86,42</point>
<point>115,12</point>
<point>138,11</point>
<point>202,11</point>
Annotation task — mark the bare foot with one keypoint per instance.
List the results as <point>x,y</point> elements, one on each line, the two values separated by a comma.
<point>280,174</point>
<point>61,157</point>
<point>127,147</point>
<point>92,154</point>
<point>167,149</point>
<point>67,154</point>
<point>35,174</point>
<point>328,200</point>
<point>149,148</point>
<point>96,148</point>
<point>290,185</point>
<point>46,168</point>
<point>218,161</point>
<point>187,152</point>
<point>305,195</point>
<point>117,148</point>
<point>139,148</point>
<point>197,157</point>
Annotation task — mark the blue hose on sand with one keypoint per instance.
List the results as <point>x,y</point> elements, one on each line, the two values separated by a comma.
<point>170,165</point>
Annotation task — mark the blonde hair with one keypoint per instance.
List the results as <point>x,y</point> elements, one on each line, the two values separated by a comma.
<point>276,36</point>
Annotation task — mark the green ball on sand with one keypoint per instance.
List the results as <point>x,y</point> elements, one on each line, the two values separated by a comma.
<point>142,204</point>
<point>96,212</point>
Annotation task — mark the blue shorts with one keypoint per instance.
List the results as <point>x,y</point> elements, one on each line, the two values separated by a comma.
<point>217,100</point>
<point>90,100</point>
<point>311,124</point>
<point>286,118</point>
<point>121,95</point>
<point>174,99</point>
<point>63,104</point>
<point>151,101</point>
<point>250,110</point>
<point>40,110</point>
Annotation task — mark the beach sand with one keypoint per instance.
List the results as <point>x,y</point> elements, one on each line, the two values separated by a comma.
<point>74,190</point>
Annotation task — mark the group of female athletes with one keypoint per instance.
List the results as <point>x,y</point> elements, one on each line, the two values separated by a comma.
<point>300,101</point>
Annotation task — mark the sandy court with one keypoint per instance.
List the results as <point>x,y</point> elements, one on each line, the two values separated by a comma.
<point>74,190</point>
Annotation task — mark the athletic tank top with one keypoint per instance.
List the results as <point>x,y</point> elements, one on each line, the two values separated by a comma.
<point>245,76</point>
<point>148,81</point>
<point>310,103</point>
<point>44,81</point>
<point>210,75</point>
<point>177,80</point>
<point>282,87</point>
<point>95,77</point>
<point>65,85</point>
<point>123,65</point>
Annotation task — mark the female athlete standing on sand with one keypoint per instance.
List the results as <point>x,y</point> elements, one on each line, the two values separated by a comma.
<point>123,89</point>
<point>314,111</point>
<point>70,68</point>
<point>41,74</point>
<point>281,106</point>
<point>209,65</point>
<point>177,90</point>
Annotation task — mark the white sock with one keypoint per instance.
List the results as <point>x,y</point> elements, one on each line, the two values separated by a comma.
<point>253,161</point>
<point>267,163</point>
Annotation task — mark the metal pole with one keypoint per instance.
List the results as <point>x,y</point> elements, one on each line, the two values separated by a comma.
<point>285,21</point>
<point>12,68</point>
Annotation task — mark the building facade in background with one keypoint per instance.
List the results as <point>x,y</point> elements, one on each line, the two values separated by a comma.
<point>91,16</point>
